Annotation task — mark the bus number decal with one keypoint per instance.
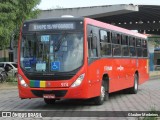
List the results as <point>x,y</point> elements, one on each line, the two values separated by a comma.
<point>64,85</point>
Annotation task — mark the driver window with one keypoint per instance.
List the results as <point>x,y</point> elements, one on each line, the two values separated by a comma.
<point>92,45</point>
<point>9,65</point>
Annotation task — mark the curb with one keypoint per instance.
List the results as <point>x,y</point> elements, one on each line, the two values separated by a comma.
<point>154,75</point>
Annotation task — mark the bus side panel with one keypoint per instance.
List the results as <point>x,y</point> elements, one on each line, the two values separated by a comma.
<point>143,70</point>
<point>120,72</point>
<point>96,70</point>
<point>125,69</point>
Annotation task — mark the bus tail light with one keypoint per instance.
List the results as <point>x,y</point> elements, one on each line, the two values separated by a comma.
<point>22,82</point>
<point>78,81</point>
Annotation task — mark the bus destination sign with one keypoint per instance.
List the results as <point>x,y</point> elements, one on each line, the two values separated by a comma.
<point>51,26</point>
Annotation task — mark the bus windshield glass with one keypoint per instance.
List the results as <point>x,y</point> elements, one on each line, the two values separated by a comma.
<point>56,52</point>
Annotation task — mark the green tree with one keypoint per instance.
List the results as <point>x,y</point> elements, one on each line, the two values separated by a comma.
<point>12,14</point>
<point>7,17</point>
<point>26,10</point>
<point>155,39</point>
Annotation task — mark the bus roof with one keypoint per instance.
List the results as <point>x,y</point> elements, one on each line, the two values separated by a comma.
<point>55,19</point>
<point>92,22</point>
<point>114,28</point>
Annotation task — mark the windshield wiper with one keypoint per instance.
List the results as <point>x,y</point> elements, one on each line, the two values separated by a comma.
<point>58,44</point>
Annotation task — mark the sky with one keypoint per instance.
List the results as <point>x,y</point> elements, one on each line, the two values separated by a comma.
<point>53,4</point>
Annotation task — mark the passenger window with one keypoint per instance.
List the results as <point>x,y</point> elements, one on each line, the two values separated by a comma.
<point>144,47</point>
<point>139,52</point>
<point>105,45</point>
<point>104,36</point>
<point>138,47</point>
<point>144,43</point>
<point>138,43</point>
<point>116,38</point>
<point>116,50</point>
<point>125,51</point>
<point>124,40</point>
<point>105,49</point>
<point>132,51</point>
<point>131,41</point>
<point>145,53</point>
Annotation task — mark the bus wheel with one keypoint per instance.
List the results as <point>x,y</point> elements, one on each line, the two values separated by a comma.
<point>134,89</point>
<point>49,101</point>
<point>103,96</point>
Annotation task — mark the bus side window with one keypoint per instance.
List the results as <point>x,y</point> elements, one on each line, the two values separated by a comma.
<point>116,44</point>
<point>139,52</point>
<point>144,47</point>
<point>138,42</point>
<point>124,40</point>
<point>92,45</point>
<point>124,44</point>
<point>105,45</point>
<point>138,47</point>
<point>132,41</point>
<point>104,36</point>
<point>132,49</point>
<point>116,50</point>
<point>144,43</point>
<point>118,39</point>
<point>113,37</point>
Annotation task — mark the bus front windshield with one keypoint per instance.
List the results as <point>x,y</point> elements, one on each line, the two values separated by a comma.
<point>51,52</point>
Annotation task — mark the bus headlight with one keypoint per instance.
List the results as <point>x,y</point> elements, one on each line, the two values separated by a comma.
<point>78,81</point>
<point>22,82</point>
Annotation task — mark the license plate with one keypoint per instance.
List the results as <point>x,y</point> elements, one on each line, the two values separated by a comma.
<point>49,96</point>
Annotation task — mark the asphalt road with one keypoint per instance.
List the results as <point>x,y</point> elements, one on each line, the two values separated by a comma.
<point>147,99</point>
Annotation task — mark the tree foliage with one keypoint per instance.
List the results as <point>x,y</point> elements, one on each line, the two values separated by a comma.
<point>12,14</point>
<point>7,17</point>
<point>155,39</point>
<point>26,10</point>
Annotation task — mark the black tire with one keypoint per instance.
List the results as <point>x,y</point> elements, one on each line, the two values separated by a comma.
<point>134,89</point>
<point>49,101</point>
<point>103,96</point>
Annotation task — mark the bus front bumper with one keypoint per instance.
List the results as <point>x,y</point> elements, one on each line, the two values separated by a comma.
<point>68,93</point>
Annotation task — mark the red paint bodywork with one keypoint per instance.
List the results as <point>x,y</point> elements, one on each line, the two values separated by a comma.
<point>90,87</point>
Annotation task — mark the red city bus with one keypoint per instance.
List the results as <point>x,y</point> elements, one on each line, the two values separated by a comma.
<point>79,58</point>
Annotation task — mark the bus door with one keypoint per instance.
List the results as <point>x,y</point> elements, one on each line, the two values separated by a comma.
<point>94,66</point>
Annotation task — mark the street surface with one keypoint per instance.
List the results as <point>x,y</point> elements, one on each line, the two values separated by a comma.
<point>147,99</point>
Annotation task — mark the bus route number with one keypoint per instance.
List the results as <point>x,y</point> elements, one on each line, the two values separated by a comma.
<point>64,85</point>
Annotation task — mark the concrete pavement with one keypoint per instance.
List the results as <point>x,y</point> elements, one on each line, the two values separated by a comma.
<point>147,99</point>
